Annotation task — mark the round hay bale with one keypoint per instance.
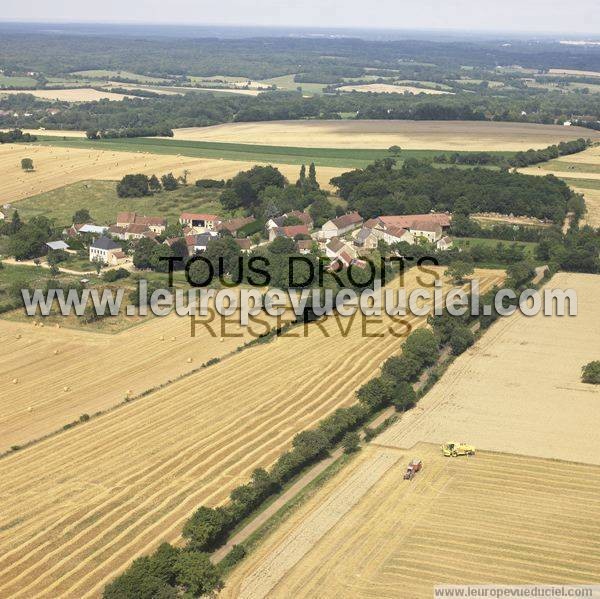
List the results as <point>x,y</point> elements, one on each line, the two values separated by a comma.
<point>18,336</point>
<point>173,338</point>
<point>66,388</point>
<point>55,352</point>
<point>221,339</point>
<point>162,337</point>
<point>29,409</point>
<point>189,360</point>
<point>15,381</point>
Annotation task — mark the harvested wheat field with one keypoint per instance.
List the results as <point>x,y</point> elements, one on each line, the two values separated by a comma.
<point>492,518</point>
<point>410,135</point>
<point>518,389</point>
<point>592,204</point>
<point>387,88</point>
<point>78,507</point>
<point>78,94</point>
<point>52,132</point>
<point>99,370</point>
<point>57,166</point>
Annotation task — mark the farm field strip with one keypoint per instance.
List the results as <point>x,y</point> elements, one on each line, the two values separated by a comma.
<point>99,369</point>
<point>78,94</point>
<point>522,367</point>
<point>159,458</point>
<point>409,135</point>
<point>322,520</point>
<point>458,522</point>
<point>59,166</point>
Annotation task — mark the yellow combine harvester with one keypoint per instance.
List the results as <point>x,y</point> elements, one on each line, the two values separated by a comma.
<point>456,449</point>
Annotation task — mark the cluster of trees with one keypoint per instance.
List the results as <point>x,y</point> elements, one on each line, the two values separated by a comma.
<point>520,159</point>
<point>577,251</point>
<point>136,186</point>
<point>418,187</point>
<point>156,131</point>
<point>16,136</point>
<point>264,192</point>
<point>464,226</point>
<point>28,240</point>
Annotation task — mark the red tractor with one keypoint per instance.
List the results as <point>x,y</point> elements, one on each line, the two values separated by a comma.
<point>412,469</point>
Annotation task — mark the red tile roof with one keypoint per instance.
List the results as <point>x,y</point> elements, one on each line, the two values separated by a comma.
<point>293,230</point>
<point>352,218</point>
<point>197,216</point>
<point>409,221</point>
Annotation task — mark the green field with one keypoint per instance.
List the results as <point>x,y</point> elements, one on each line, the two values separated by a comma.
<point>10,82</point>
<point>287,83</point>
<point>585,183</point>
<point>565,165</point>
<point>106,74</point>
<point>464,242</point>
<point>337,157</point>
<point>101,199</point>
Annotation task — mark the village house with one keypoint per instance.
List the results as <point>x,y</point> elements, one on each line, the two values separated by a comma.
<point>335,247</point>
<point>305,246</point>
<point>80,229</point>
<point>106,251</point>
<point>196,242</point>
<point>157,224</point>
<point>411,228</point>
<point>279,221</point>
<point>341,225</point>
<point>234,225</point>
<point>245,244</point>
<point>292,231</point>
<point>199,222</point>
<point>57,245</point>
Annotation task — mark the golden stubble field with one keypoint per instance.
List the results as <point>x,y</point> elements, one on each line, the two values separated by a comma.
<point>585,168</point>
<point>63,373</point>
<point>55,167</point>
<point>415,135</point>
<point>79,94</point>
<point>78,507</point>
<point>519,389</point>
<point>493,518</point>
<point>387,88</point>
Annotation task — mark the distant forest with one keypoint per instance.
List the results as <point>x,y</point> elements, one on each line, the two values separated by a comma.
<point>308,61</point>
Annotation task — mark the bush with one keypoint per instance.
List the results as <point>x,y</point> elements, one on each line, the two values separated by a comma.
<point>422,346</point>
<point>114,275</point>
<point>195,572</point>
<point>133,186</point>
<point>590,373</point>
<point>206,529</point>
<point>210,183</point>
<point>351,442</point>
<point>236,555</point>
<point>404,396</point>
<point>461,338</point>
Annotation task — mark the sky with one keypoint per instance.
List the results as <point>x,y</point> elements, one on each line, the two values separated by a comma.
<point>576,17</point>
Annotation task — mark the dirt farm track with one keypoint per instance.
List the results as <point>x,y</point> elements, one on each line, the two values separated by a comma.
<point>494,517</point>
<point>78,507</point>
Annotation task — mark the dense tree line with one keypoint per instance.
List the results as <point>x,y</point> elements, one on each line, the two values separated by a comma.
<point>159,131</point>
<point>196,109</point>
<point>520,159</point>
<point>417,187</point>
<point>16,136</point>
